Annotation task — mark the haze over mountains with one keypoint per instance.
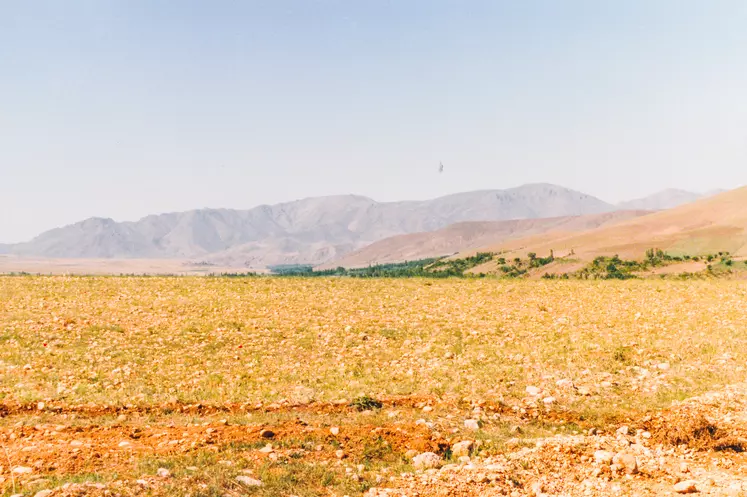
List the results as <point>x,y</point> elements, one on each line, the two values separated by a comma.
<point>309,231</point>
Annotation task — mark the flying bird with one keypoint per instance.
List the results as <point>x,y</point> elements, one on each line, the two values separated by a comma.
<point>440,167</point>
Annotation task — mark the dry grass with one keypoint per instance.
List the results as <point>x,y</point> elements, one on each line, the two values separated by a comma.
<point>153,348</point>
<point>158,340</point>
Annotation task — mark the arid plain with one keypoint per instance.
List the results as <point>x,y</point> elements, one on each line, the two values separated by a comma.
<point>292,386</point>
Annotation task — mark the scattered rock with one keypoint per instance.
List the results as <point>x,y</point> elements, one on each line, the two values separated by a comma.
<point>334,430</point>
<point>628,462</point>
<point>603,457</point>
<point>537,488</point>
<point>267,449</point>
<point>462,448</point>
<point>267,434</point>
<point>533,391</point>
<point>548,400</point>
<point>623,430</point>
<point>472,424</point>
<point>339,454</point>
<point>22,470</point>
<point>43,493</point>
<point>249,481</point>
<point>40,406</point>
<point>163,473</point>
<point>124,444</point>
<point>686,487</point>
<point>427,460</point>
<point>427,409</point>
<point>664,366</point>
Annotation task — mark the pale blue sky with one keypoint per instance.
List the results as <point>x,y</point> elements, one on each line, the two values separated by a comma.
<point>131,107</point>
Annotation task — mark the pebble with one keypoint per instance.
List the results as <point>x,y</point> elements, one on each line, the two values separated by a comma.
<point>623,430</point>
<point>603,457</point>
<point>686,487</point>
<point>249,481</point>
<point>537,488</point>
<point>627,461</point>
<point>334,430</point>
<point>472,424</point>
<point>43,493</point>
<point>163,473</point>
<point>124,444</point>
<point>533,391</point>
<point>267,449</point>
<point>339,453</point>
<point>427,409</point>
<point>548,400</point>
<point>462,448</point>
<point>426,460</point>
<point>22,470</point>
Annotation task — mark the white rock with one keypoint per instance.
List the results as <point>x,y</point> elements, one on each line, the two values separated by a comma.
<point>163,472</point>
<point>603,457</point>
<point>686,487</point>
<point>533,391</point>
<point>334,430</point>
<point>623,430</point>
<point>427,409</point>
<point>462,448</point>
<point>339,454</point>
<point>40,406</point>
<point>124,444</point>
<point>426,460</point>
<point>472,424</point>
<point>22,470</point>
<point>548,400</point>
<point>626,461</point>
<point>249,481</point>
<point>664,366</point>
<point>267,449</point>
<point>43,493</point>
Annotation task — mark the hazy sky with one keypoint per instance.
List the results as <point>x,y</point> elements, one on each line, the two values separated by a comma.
<point>130,107</point>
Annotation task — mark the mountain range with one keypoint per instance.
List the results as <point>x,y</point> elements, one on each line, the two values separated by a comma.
<point>309,231</point>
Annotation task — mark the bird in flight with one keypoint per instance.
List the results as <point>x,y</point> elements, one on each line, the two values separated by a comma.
<point>440,167</point>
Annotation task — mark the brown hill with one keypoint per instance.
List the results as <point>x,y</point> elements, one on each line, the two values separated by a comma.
<point>709,225</point>
<point>467,236</point>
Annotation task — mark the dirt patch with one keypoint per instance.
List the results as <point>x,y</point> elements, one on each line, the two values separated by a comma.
<point>692,429</point>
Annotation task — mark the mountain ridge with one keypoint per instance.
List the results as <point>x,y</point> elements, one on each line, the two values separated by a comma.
<point>310,230</point>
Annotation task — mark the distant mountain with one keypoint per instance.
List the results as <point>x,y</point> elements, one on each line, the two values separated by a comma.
<point>464,236</point>
<point>665,199</point>
<point>5,249</point>
<point>312,230</point>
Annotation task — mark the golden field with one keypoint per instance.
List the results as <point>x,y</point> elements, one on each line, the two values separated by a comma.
<point>107,355</point>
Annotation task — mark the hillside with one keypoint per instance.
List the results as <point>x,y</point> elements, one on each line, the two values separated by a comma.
<point>312,230</point>
<point>470,235</point>
<point>709,225</point>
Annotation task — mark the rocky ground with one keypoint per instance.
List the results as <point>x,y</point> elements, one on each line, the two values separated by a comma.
<point>694,447</point>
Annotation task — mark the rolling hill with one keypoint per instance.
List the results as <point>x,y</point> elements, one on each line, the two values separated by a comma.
<point>709,225</point>
<point>470,235</point>
<point>311,231</point>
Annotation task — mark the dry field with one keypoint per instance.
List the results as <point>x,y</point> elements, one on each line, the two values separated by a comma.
<point>269,386</point>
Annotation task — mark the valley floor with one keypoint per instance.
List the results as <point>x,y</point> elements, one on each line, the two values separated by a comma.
<point>193,386</point>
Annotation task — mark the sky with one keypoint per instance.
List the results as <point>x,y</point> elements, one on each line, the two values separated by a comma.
<point>124,108</point>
